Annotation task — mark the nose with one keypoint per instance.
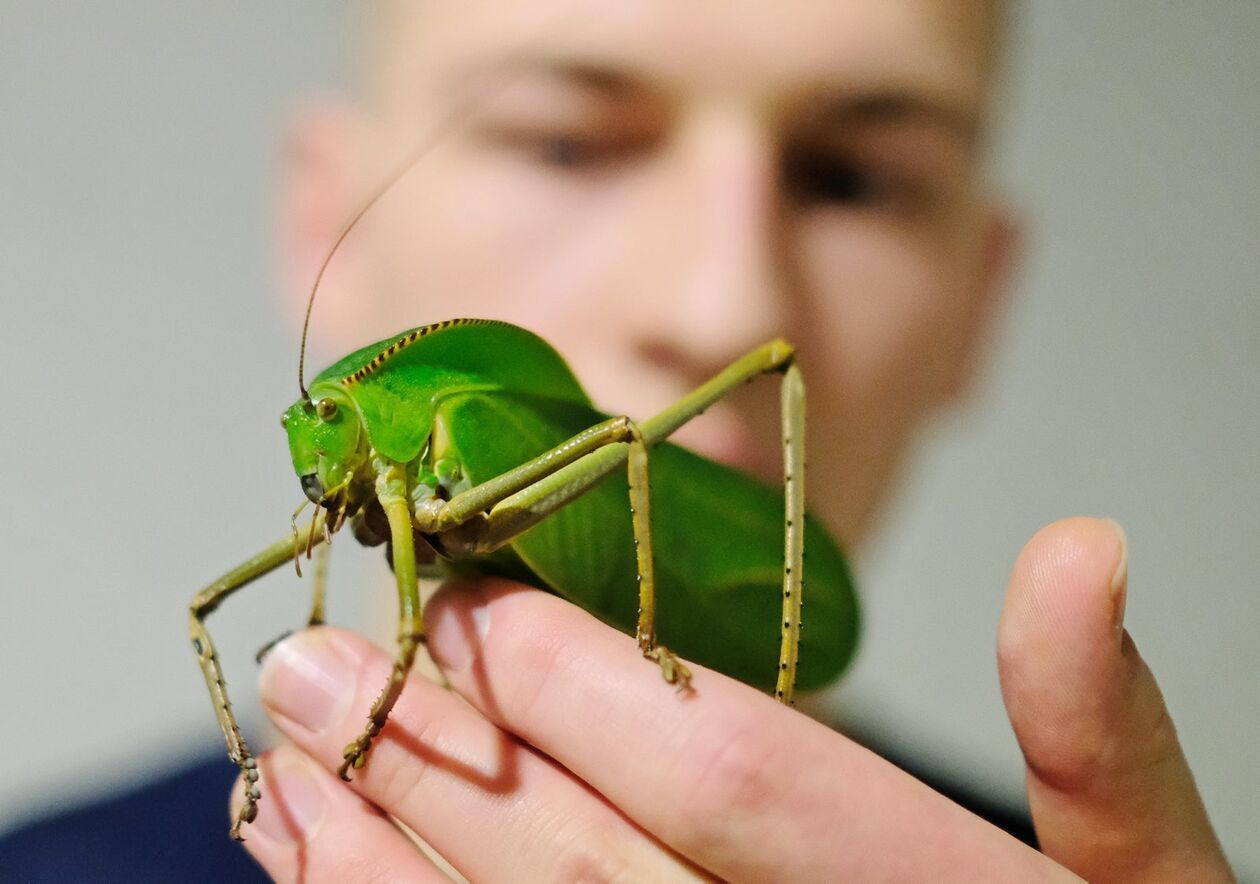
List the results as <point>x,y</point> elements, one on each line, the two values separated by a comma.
<point>313,488</point>
<point>726,283</point>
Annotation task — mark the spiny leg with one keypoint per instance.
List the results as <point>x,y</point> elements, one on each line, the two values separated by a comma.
<point>792,403</point>
<point>203,603</point>
<point>641,520</point>
<point>775,356</point>
<point>391,491</point>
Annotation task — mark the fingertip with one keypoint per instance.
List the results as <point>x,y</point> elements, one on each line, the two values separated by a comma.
<point>311,828</point>
<point>1069,582</point>
<point>1060,663</point>
<point>310,677</point>
<point>294,807</point>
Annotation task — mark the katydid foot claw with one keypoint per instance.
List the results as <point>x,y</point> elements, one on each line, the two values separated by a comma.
<point>249,809</point>
<point>672,669</point>
<point>355,754</point>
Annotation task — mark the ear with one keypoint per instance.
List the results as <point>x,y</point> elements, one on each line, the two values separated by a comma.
<point>997,256</point>
<point>321,167</point>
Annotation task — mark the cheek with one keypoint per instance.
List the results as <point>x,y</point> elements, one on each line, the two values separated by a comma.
<point>890,300</point>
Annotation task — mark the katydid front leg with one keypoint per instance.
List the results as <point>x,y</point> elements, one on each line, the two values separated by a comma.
<point>391,491</point>
<point>203,603</point>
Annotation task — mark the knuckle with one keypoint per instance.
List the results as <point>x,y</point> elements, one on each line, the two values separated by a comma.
<point>396,778</point>
<point>534,657</point>
<point>731,772</point>
<point>371,871</point>
<point>591,862</point>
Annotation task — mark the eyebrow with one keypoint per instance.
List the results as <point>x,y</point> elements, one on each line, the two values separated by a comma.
<point>874,107</point>
<point>901,106</point>
<point>613,81</point>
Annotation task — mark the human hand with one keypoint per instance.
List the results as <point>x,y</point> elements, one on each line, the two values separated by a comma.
<point>571,760</point>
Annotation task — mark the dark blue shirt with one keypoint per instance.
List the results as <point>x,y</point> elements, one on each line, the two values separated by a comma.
<point>176,829</point>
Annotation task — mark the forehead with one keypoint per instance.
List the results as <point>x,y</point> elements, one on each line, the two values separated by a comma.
<point>937,48</point>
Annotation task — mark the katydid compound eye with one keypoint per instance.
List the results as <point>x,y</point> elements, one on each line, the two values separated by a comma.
<point>326,409</point>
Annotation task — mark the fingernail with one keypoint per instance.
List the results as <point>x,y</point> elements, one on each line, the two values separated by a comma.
<point>458,626</point>
<point>292,806</point>
<point>307,679</point>
<point>1120,579</point>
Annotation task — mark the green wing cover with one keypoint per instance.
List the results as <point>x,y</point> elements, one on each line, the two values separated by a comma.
<point>717,534</point>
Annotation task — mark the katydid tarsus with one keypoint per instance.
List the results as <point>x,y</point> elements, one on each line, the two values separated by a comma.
<point>469,445</point>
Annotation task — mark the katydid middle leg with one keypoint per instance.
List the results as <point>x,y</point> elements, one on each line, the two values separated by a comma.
<point>391,492</point>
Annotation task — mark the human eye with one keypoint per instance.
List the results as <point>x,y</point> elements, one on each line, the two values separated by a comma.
<point>819,178</point>
<point>569,149</point>
<point>568,126</point>
<point>906,169</point>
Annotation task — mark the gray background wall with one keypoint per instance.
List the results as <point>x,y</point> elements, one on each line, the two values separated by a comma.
<point>145,361</point>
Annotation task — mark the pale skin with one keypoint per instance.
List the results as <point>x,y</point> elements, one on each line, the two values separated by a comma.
<point>656,189</point>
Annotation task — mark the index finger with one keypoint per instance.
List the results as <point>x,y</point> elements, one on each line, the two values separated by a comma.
<point>738,783</point>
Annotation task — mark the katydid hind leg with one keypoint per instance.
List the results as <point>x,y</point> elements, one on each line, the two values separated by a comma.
<point>520,511</point>
<point>792,403</point>
<point>515,514</point>
<point>524,494</point>
<point>518,486</point>
<point>202,605</point>
<point>391,491</point>
<point>775,356</point>
<point>521,497</point>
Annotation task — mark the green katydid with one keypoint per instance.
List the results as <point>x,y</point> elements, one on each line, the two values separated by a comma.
<point>470,445</point>
<point>472,441</point>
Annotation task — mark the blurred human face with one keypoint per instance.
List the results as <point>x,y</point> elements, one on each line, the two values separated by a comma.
<point>658,186</point>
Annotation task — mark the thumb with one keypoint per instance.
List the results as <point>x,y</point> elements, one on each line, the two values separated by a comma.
<point>1112,796</point>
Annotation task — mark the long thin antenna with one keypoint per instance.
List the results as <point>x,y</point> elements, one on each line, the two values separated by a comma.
<point>425,144</point>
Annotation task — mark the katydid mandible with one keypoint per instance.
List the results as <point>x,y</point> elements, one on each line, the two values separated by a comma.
<point>469,445</point>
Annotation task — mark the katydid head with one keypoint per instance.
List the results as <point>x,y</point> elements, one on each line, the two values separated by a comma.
<point>328,447</point>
